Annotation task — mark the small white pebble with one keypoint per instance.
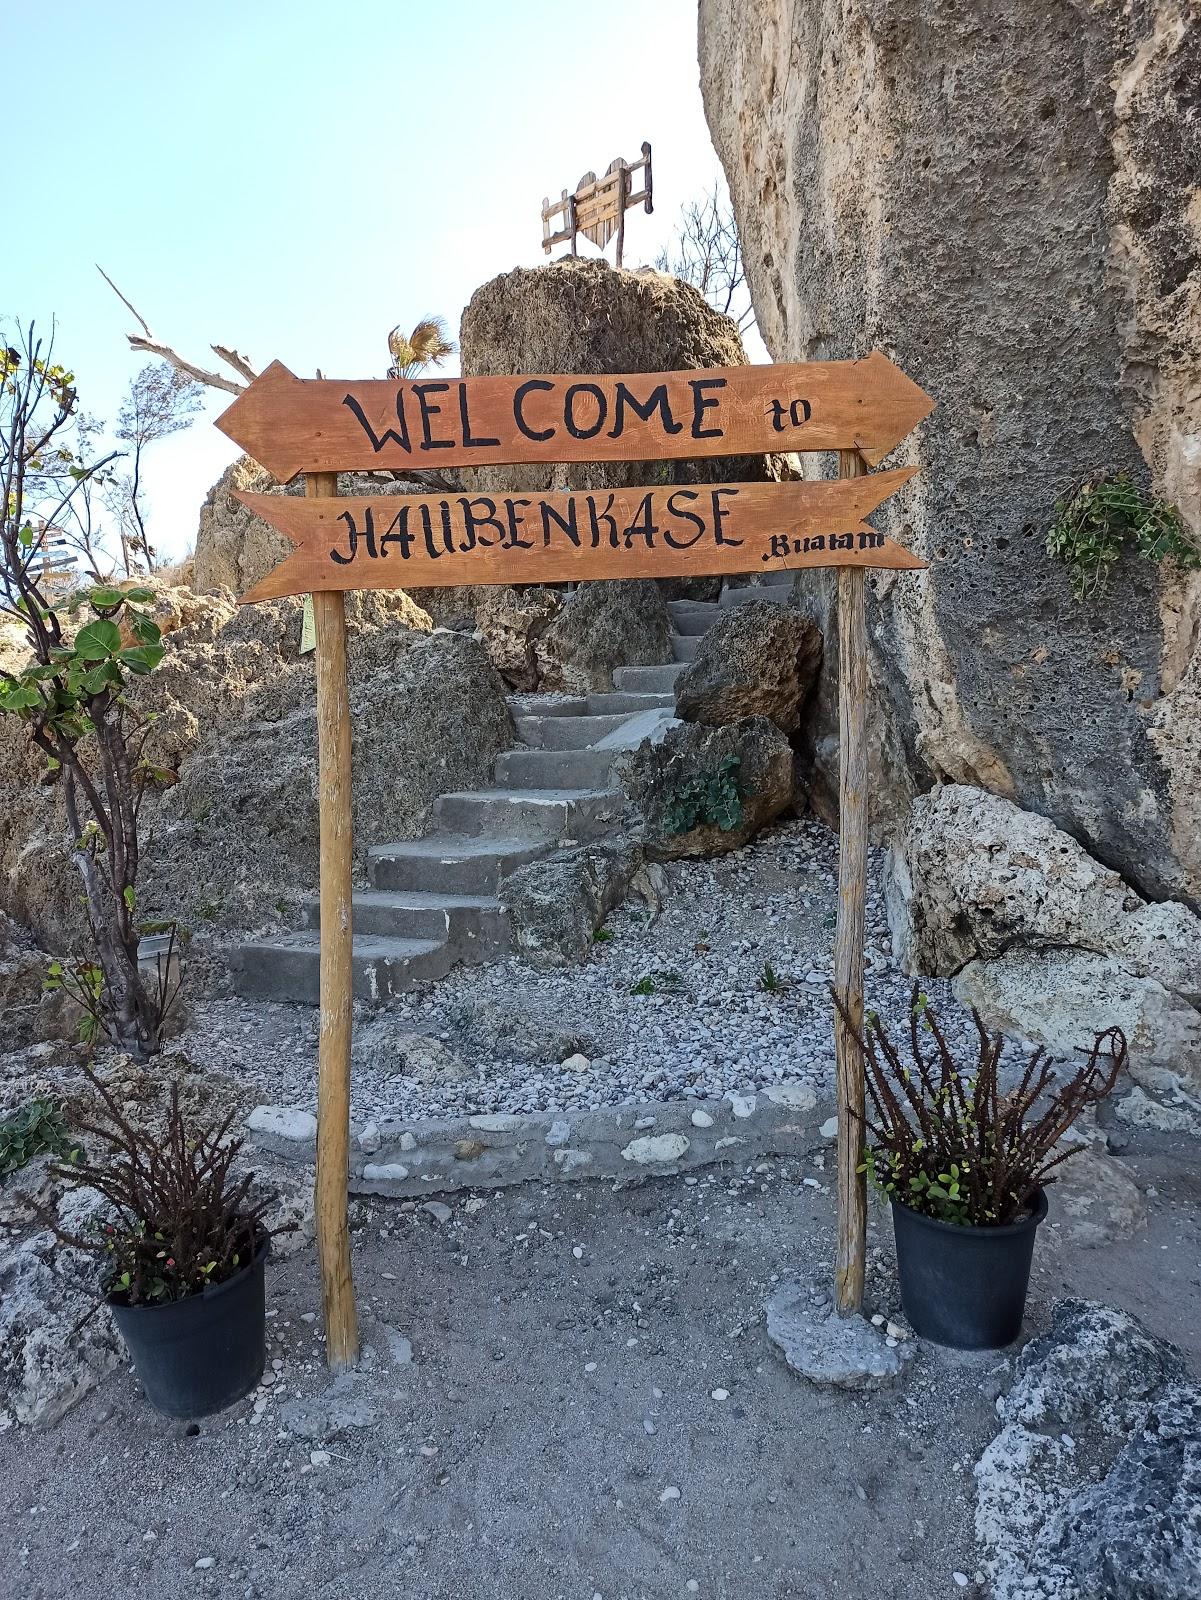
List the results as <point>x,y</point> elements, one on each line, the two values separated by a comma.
<point>319,1458</point>
<point>670,1493</point>
<point>692,1586</point>
<point>877,1321</point>
<point>205,1562</point>
<point>719,1394</point>
<point>578,1253</point>
<point>590,1366</point>
<point>961,1579</point>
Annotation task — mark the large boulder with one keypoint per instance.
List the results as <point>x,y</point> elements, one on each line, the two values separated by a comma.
<point>55,1342</point>
<point>1120,1518</point>
<point>602,626</point>
<point>1009,212</point>
<point>1043,940</point>
<point>511,622</point>
<point>758,660</point>
<point>556,904</point>
<point>703,791</point>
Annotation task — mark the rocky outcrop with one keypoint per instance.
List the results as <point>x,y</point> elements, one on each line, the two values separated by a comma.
<point>1043,940</point>
<point>51,1351</point>
<point>22,969</point>
<point>232,843</point>
<point>1006,205</point>
<point>703,791</point>
<point>557,903</point>
<point>599,627</point>
<point>1121,1517</point>
<point>511,622</point>
<point>759,660</point>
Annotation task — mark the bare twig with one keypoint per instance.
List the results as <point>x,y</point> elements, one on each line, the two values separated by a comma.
<point>155,347</point>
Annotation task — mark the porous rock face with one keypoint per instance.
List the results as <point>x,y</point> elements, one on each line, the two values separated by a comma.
<point>51,1351</point>
<point>599,627</point>
<point>759,660</point>
<point>661,779</point>
<point>1093,1485</point>
<point>1042,939</point>
<point>1005,201</point>
<point>557,903</point>
<point>232,843</point>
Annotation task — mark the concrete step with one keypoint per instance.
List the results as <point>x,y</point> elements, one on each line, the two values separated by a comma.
<point>554,769</point>
<point>693,616</point>
<point>473,924</point>
<point>608,704</point>
<point>776,593</point>
<point>289,967</point>
<point>448,862</point>
<point>685,646</point>
<point>546,705</point>
<point>643,680</point>
<point>566,733</point>
<point>532,813</point>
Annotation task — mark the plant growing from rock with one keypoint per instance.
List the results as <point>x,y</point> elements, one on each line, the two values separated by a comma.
<point>178,1217</point>
<point>1092,525</point>
<point>946,1141</point>
<point>710,797</point>
<point>38,1128</point>
<point>72,691</point>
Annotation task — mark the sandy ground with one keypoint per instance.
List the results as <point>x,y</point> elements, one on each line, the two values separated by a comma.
<point>553,1399</point>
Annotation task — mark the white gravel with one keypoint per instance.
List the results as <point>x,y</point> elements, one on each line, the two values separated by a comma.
<point>515,1039</point>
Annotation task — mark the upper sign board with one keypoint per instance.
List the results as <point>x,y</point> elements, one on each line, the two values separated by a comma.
<point>292,425</point>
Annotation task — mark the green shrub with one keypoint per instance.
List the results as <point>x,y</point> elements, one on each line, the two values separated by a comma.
<point>711,797</point>
<point>1091,527</point>
<point>32,1131</point>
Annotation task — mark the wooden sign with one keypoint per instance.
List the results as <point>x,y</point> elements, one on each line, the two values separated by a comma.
<point>597,208</point>
<point>291,424</point>
<point>862,409</point>
<point>425,541</point>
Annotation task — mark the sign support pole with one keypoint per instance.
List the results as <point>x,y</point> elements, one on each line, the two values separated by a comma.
<point>849,938</point>
<point>330,1201</point>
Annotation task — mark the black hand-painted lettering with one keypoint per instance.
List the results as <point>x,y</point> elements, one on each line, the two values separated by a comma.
<point>776,410</point>
<point>423,392</point>
<point>469,439</point>
<point>389,435</point>
<point>675,510</point>
<point>516,519</point>
<point>474,520</point>
<point>353,536</point>
<point>596,518</point>
<point>569,410</point>
<point>398,533</point>
<point>643,526</point>
<point>701,403</point>
<point>655,401</point>
<point>567,523</point>
<point>720,514</point>
<point>540,435</point>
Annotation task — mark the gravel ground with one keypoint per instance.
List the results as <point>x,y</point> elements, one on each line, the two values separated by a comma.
<point>567,1394</point>
<point>709,1026</point>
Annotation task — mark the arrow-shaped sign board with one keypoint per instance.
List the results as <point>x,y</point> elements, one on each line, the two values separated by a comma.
<point>292,425</point>
<point>425,541</point>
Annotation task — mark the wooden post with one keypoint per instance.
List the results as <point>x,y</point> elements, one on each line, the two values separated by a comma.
<point>623,191</point>
<point>849,938</point>
<point>337,976</point>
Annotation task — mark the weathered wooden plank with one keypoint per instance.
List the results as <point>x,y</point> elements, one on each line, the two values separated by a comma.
<point>849,934</point>
<point>403,541</point>
<point>337,985</point>
<point>291,424</point>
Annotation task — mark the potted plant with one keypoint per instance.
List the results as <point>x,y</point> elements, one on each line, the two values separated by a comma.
<point>966,1166</point>
<point>182,1249</point>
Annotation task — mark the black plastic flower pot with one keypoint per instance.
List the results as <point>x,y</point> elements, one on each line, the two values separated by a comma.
<point>199,1355</point>
<point>965,1287</point>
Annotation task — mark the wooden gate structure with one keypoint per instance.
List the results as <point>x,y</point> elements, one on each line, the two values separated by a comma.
<point>860,409</point>
<point>598,206</point>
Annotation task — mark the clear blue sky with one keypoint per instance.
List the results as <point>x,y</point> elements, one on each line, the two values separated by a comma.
<point>296,179</point>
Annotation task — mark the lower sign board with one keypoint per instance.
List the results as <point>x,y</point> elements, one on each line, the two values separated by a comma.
<point>425,541</point>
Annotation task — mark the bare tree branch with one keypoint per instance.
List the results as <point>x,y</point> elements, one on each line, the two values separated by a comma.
<point>146,341</point>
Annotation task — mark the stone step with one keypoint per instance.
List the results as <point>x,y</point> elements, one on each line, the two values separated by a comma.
<point>532,813</point>
<point>566,733</point>
<point>555,769</point>
<point>289,967</point>
<point>448,862</point>
<point>608,704</point>
<point>693,616</point>
<point>685,646</point>
<point>472,924</point>
<point>641,680</point>
<point>776,593</point>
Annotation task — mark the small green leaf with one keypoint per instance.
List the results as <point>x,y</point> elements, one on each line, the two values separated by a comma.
<point>98,641</point>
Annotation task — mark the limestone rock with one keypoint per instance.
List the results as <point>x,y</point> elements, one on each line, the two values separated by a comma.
<point>833,1352</point>
<point>1122,1518</point>
<point>860,162</point>
<point>387,1048</point>
<point>47,1360</point>
<point>758,660</point>
<point>556,903</point>
<point>22,969</point>
<point>1064,998</point>
<point>681,790</point>
<point>511,621</point>
<point>601,626</point>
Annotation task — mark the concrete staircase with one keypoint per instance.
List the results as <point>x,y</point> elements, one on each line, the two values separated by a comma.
<point>433,902</point>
